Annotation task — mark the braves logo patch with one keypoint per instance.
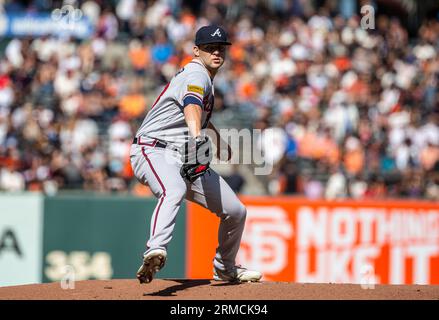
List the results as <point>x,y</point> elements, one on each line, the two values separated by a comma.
<point>195,89</point>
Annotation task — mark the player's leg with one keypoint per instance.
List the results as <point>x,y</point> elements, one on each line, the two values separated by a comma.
<point>158,169</point>
<point>213,192</point>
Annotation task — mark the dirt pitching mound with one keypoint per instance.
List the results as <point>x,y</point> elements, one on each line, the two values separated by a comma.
<point>212,290</point>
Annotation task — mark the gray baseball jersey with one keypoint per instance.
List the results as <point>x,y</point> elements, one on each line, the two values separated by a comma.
<point>165,120</point>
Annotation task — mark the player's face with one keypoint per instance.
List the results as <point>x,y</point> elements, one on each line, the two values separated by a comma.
<point>213,55</point>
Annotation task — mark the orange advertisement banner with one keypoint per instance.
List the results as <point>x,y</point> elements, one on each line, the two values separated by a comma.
<point>290,239</point>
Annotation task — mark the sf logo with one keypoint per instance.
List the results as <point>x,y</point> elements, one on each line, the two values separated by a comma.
<point>266,237</point>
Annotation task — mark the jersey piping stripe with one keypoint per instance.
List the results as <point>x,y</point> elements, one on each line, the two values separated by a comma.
<point>163,189</point>
<point>163,91</point>
<point>147,144</point>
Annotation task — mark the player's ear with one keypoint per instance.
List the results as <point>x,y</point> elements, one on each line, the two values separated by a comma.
<point>196,51</point>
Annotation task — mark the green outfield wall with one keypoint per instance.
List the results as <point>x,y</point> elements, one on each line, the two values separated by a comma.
<point>93,236</point>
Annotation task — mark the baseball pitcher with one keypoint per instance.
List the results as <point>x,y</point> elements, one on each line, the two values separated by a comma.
<point>171,154</point>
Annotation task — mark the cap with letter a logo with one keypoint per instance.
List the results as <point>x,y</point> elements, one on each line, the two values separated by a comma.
<point>211,34</point>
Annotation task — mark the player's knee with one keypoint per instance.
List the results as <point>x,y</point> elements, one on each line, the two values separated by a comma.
<point>238,212</point>
<point>176,194</point>
<point>242,212</point>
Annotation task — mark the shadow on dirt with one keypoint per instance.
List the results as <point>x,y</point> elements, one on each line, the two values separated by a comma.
<point>184,284</point>
<point>225,284</point>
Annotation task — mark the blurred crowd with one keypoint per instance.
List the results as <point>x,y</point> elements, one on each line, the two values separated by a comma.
<point>343,111</point>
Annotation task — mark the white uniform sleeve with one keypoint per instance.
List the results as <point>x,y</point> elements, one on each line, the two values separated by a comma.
<point>195,87</point>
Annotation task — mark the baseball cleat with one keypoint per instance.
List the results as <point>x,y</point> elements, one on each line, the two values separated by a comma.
<point>238,274</point>
<point>153,261</point>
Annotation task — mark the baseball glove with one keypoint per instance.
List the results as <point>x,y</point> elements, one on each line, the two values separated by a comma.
<point>196,157</point>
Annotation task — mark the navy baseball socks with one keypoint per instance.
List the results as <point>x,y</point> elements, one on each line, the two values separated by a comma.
<point>153,261</point>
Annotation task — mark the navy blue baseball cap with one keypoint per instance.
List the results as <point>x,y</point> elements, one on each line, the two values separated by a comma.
<point>211,34</point>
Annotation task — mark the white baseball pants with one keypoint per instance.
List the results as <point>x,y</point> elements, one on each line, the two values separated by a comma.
<point>159,168</point>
